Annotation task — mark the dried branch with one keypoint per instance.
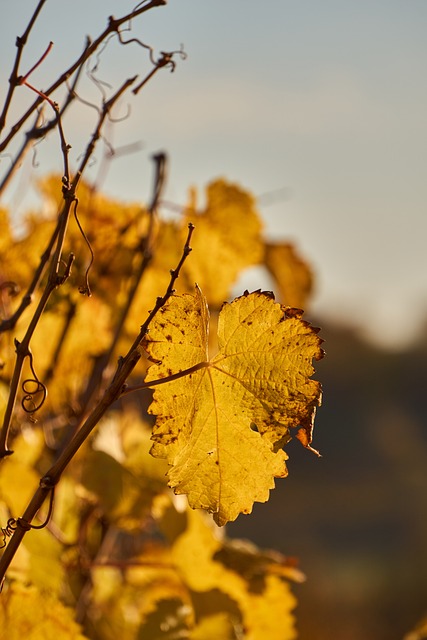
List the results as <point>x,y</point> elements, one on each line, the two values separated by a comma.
<point>165,60</point>
<point>14,77</point>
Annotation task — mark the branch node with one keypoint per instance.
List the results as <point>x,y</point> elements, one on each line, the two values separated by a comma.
<point>23,524</point>
<point>47,483</point>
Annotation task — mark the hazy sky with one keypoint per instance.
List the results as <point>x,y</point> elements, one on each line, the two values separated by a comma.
<point>325,100</point>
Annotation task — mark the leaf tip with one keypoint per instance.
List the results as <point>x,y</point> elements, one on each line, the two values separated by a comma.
<point>305,437</point>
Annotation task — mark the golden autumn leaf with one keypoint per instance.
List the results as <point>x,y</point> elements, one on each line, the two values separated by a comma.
<point>228,239</point>
<point>222,428</point>
<point>292,274</point>
<point>149,600</point>
<point>26,612</point>
<point>259,600</point>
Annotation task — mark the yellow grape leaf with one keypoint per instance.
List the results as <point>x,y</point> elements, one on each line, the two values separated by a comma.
<point>88,335</point>
<point>249,561</point>
<point>66,515</point>
<point>264,600</point>
<point>17,483</point>
<point>117,491</point>
<point>149,601</point>
<point>221,428</point>
<point>44,568</point>
<point>292,274</point>
<point>268,614</point>
<point>227,240</point>
<point>28,613</point>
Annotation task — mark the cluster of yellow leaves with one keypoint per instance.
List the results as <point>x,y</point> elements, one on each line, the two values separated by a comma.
<point>142,564</point>
<point>50,620</point>
<point>188,581</point>
<point>198,587</point>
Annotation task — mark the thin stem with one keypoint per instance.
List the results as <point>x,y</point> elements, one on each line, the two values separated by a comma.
<point>161,301</point>
<point>171,378</point>
<point>13,80</point>
<point>24,79</point>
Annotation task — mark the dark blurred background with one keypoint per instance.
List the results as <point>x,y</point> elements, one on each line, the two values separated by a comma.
<point>357,517</point>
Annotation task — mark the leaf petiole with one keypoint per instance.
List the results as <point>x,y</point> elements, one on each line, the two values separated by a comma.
<point>174,376</point>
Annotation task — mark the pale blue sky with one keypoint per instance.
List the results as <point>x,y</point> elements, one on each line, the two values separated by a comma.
<point>326,99</point>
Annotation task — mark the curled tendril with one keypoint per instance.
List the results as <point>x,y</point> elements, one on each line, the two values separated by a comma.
<point>137,41</point>
<point>122,118</point>
<point>9,156</point>
<point>13,523</point>
<point>92,70</point>
<point>166,60</point>
<point>35,393</point>
<point>82,100</point>
<point>8,530</point>
<point>40,118</point>
<point>84,289</point>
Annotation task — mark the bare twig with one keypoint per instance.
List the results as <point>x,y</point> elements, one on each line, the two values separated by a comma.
<point>24,79</point>
<point>165,60</point>
<point>13,80</point>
